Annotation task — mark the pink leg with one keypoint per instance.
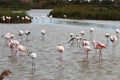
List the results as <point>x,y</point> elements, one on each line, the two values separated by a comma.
<point>100,56</point>
<point>60,54</point>
<point>86,57</point>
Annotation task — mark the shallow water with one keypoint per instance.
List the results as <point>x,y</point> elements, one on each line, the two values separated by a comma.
<point>48,66</point>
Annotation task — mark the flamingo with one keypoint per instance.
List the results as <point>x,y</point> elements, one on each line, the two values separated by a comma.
<point>113,39</point>
<point>82,33</point>
<point>87,49</point>
<point>21,33</point>
<point>100,46</point>
<point>71,35</point>
<point>27,33</point>
<point>8,36</point>
<point>43,32</point>
<point>91,33</point>
<point>20,51</point>
<point>85,43</point>
<point>51,18</point>
<point>117,32</point>
<point>13,45</point>
<point>33,57</point>
<point>107,35</point>
<point>5,73</point>
<point>60,49</point>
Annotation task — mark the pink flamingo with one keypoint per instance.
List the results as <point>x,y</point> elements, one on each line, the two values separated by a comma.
<point>100,46</point>
<point>5,73</point>
<point>87,49</point>
<point>60,49</point>
<point>13,45</point>
<point>8,37</point>
<point>20,51</point>
<point>85,43</point>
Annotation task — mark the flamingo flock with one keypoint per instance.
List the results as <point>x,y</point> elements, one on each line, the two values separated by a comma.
<point>85,44</point>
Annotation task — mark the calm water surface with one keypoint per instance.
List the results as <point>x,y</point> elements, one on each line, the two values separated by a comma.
<point>48,65</point>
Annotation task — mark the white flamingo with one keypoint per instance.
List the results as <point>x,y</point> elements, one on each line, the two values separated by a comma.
<point>21,33</point>
<point>107,35</point>
<point>113,39</point>
<point>91,33</point>
<point>27,33</point>
<point>33,57</point>
<point>82,33</point>
<point>117,32</point>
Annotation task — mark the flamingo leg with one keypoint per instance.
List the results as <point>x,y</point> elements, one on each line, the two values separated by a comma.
<point>100,56</point>
<point>60,54</point>
<point>86,57</point>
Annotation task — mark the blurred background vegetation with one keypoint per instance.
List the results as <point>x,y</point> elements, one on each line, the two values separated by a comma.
<point>73,9</point>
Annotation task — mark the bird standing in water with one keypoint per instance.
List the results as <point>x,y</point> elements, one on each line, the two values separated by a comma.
<point>60,49</point>
<point>33,57</point>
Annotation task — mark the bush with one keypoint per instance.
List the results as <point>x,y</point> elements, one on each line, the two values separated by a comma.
<point>87,12</point>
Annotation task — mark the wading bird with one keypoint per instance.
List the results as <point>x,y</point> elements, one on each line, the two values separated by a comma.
<point>33,57</point>
<point>87,49</point>
<point>91,34</point>
<point>60,49</point>
<point>21,52</point>
<point>100,46</point>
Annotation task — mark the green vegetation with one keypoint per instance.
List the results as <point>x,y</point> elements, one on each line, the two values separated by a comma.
<point>8,16</point>
<point>83,11</point>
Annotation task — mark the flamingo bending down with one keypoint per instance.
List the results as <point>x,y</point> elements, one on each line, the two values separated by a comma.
<point>100,46</point>
<point>27,32</point>
<point>60,49</point>
<point>5,73</point>
<point>33,57</point>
